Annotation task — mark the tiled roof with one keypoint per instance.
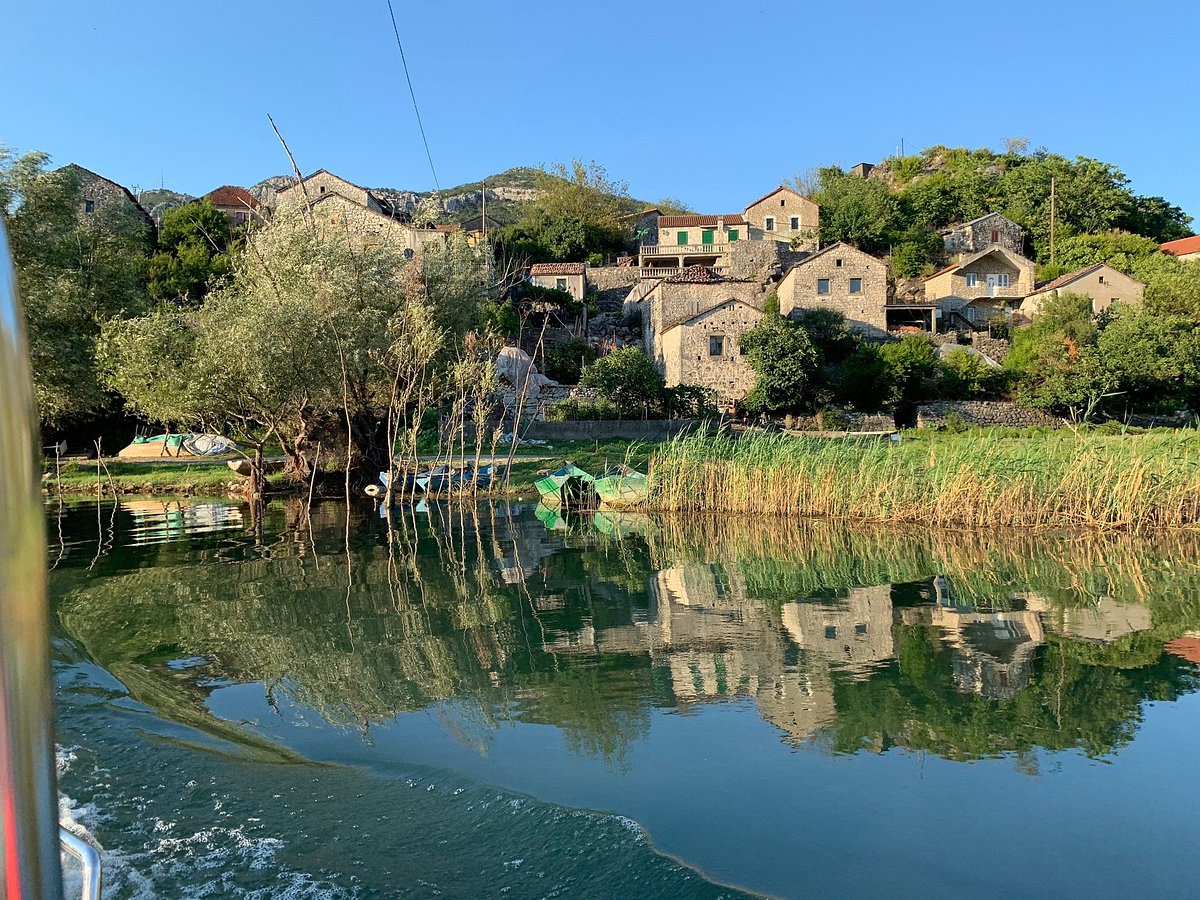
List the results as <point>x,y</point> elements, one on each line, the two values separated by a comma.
<point>575,268</point>
<point>1187,647</point>
<point>776,191</point>
<point>1062,280</point>
<point>698,275</point>
<point>698,221</point>
<point>231,195</point>
<point>1182,247</point>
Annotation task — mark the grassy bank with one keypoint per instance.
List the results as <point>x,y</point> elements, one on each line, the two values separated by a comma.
<point>980,479</point>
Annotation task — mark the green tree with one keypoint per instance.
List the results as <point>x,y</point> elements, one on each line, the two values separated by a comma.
<point>965,376</point>
<point>628,378</point>
<point>74,271</point>
<point>913,369</point>
<point>193,252</point>
<point>864,380</point>
<point>785,364</point>
<point>860,211</point>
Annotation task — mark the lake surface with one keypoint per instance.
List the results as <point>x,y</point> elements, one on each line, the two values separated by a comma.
<point>489,701</point>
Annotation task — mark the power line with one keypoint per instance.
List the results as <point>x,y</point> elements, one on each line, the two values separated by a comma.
<point>413,94</point>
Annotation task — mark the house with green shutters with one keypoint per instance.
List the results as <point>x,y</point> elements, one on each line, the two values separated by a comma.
<point>670,244</point>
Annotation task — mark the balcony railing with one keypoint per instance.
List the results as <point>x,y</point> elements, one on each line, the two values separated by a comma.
<point>684,249</point>
<point>668,271</point>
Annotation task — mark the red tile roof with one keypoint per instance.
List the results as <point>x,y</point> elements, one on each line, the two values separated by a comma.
<point>1187,647</point>
<point>1068,278</point>
<point>557,269</point>
<point>776,191</point>
<point>231,195</point>
<point>1182,247</point>
<point>698,221</point>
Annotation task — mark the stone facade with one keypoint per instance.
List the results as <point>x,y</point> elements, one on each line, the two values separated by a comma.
<point>238,204</point>
<point>784,215</point>
<point>843,279</point>
<point>704,351</point>
<point>983,412</point>
<point>610,278</point>
<point>366,227</point>
<point>98,195</point>
<point>322,182</point>
<point>979,234</point>
<point>994,273</point>
<point>1101,283</point>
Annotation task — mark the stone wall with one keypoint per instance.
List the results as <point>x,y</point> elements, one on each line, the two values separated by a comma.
<point>996,348</point>
<point>865,310</point>
<point>318,185</point>
<point>689,357</point>
<point>983,412</point>
<point>608,278</point>
<point>840,420</point>
<point>368,227</point>
<point>971,237</point>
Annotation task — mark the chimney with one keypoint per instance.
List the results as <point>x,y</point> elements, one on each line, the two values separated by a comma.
<point>720,223</point>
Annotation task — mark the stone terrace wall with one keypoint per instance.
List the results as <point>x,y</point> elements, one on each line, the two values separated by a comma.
<point>984,412</point>
<point>607,278</point>
<point>996,348</point>
<point>630,429</point>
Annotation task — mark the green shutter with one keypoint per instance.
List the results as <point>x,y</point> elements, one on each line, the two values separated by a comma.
<point>706,236</point>
<point>733,235</point>
<point>681,238</point>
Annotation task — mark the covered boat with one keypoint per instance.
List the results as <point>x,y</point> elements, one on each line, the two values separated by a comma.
<point>569,487</point>
<point>177,445</point>
<point>621,487</point>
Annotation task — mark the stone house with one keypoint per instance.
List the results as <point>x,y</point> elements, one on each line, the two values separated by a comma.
<point>322,182</point>
<point>783,219</point>
<point>98,194</point>
<point>368,227</point>
<point>784,215</point>
<point>983,232</point>
<point>1184,248</point>
<point>570,277</point>
<point>983,286</point>
<point>841,278</point>
<point>862,170</point>
<point>691,325</point>
<point>239,205</point>
<point>1101,283</point>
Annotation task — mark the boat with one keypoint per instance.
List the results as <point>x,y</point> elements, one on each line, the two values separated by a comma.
<point>439,480</point>
<point>621,487</point>
<point>569,487</point>
<point>245,467</point>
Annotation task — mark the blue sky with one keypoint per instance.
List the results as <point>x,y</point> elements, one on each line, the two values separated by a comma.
<point>715,105</point>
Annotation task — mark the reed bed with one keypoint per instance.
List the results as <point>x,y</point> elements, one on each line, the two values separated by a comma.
<point>976,479</point>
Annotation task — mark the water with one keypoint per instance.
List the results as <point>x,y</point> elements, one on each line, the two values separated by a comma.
<point>480,702</point>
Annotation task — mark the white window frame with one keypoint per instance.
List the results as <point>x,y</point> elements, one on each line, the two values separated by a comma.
<point>769,223</point>
<point>972,279</point>
<point>794,223</point>
<point>1002,279</point>
<point>560,284</point>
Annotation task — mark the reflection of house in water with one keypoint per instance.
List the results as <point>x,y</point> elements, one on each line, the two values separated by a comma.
<point>715,641</point>
<point>853,633</point>
<point>1104,622</point>
<point>158,521</point>
<point>994,652</point>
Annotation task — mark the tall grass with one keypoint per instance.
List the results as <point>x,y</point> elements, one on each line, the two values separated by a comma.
<point>976,479</point>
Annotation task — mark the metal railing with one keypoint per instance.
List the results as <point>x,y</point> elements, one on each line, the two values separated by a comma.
<point>89,862</point>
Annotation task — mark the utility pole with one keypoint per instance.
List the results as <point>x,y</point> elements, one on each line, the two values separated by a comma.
<point>902,148</point>
<point>485,212</point>
<point>1053,216</point>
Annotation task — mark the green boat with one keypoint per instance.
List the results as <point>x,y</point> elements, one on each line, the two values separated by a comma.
<point>621,487</point>
<point>569,487</point>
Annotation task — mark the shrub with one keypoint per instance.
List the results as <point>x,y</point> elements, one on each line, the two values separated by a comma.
<point>595,260</point>
<point>627,378</point>
<point>965,376</point>
<point>501,319</point>
<point>565,362</point>
<point>583,410</point>
<point>864,380</point>
<point>785,361</point>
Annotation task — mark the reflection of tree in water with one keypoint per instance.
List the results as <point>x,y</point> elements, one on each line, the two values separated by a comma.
<point>984,645</point>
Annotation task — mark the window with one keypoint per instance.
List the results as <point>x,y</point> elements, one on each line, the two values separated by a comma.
<point>89,206</point>
<point>1101,279</point>
<point>856,285</point>
<point>560,283</point>
<point>769,223</point>
<point>1002,279</point>
<point>831,632</point>
<point>322,189</point>
<point>781,201</point>
<point>795,224</point>
<point>838,263</point>
<point>716,345</point>
<point>860,629</point>
<point>733,235</point>
<point>822,285</point>
<point>972,279</point>
<point>681,238</point>
<point>995,236</point>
